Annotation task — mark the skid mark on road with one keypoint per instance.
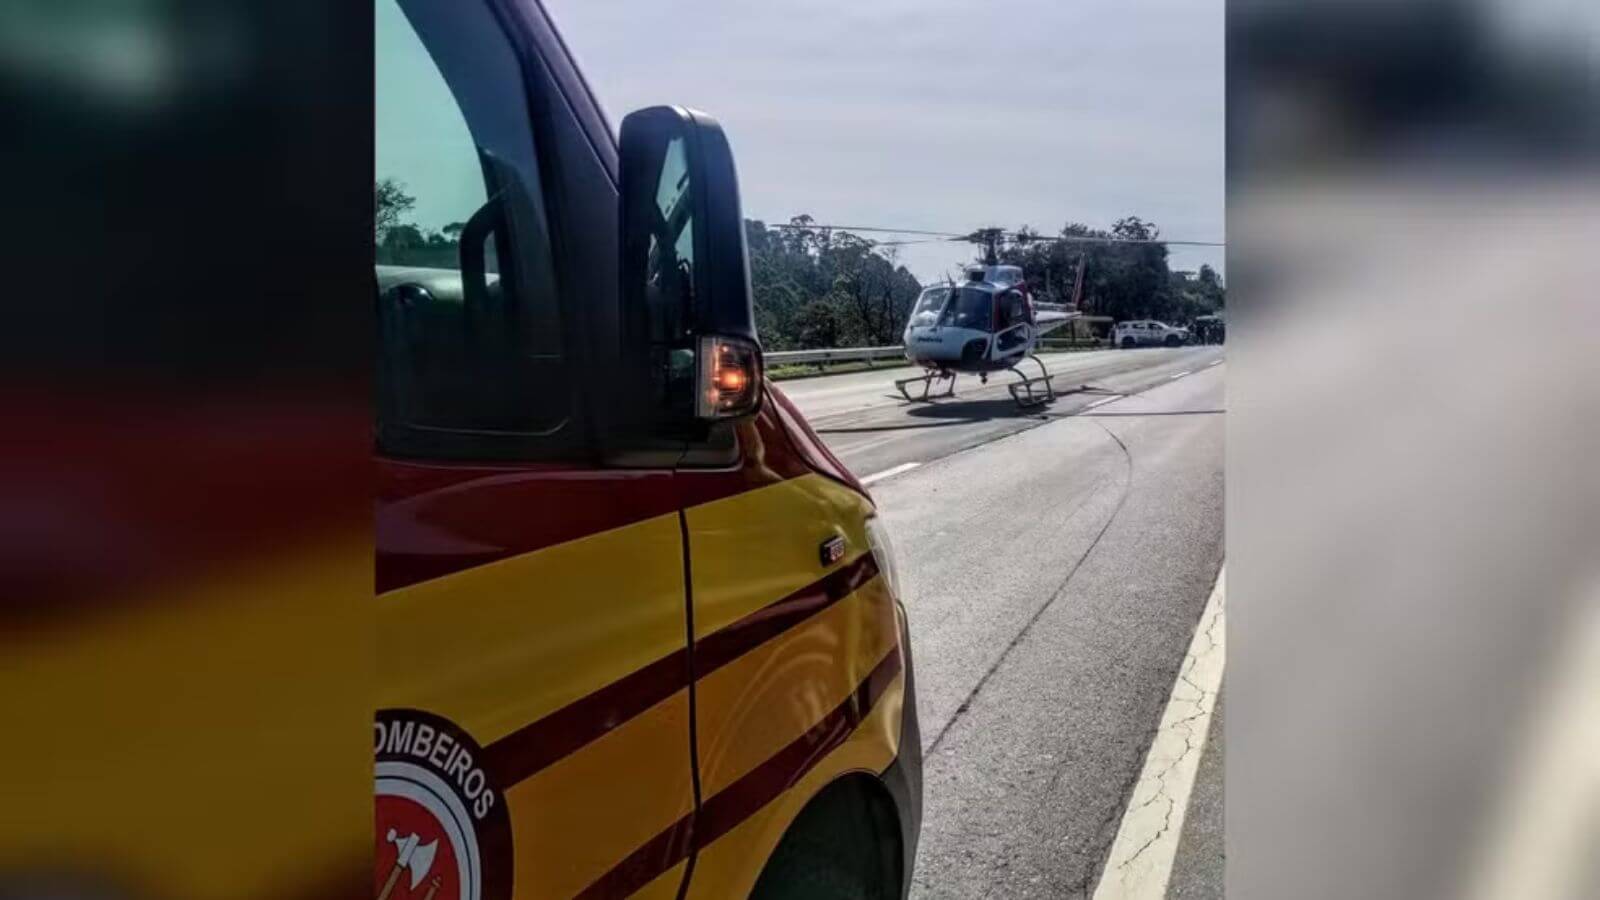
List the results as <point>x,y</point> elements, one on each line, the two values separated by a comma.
<point>873,443</point>
<point>966,702</point>
<point>1150,413</point>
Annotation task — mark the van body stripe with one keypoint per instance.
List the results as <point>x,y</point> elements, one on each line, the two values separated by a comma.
<point>735,639</point>
<point>645,864</point>
<point>529,750</point>
<point>435,519</point>
<point>740,800</point>
<point>761,785</point>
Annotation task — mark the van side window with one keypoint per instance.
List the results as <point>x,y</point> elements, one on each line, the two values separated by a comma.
<point>471,361</point>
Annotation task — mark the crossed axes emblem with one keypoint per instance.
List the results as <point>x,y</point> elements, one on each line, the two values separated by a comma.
<point>415,857</point>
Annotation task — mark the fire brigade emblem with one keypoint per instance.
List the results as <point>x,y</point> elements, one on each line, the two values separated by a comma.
<point>442,830</point>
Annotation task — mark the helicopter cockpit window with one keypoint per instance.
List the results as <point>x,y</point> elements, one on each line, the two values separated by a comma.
<point>1011,310</point>
<point>929,305</point>
<point>970,308</point>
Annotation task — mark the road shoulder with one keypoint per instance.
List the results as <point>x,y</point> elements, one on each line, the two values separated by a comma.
<point>1140,863</point>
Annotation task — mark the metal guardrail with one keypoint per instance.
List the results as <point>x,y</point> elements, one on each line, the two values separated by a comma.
<point>1070,343</point>
<point>834,354</point>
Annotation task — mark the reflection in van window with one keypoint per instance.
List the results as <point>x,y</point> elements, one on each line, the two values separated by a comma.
<point>429,181</point>
<point>671,254</point>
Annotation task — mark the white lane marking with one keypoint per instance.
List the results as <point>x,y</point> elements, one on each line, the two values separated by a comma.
<point>903,467</point>
<point>1179,375</point>
<point>1140,864</point>
<point>1102,402</point>
<point>1214,362</point>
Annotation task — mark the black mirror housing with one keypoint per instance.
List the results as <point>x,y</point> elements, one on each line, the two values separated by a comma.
<point>685,271</point>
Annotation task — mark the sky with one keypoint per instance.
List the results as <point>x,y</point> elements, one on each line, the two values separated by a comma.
<point>421,139</point>
<point>937,114</point>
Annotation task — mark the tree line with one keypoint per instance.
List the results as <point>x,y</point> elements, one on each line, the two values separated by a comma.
<point>820,287</point>
<point>815,286</point>
<point>1123,281</point>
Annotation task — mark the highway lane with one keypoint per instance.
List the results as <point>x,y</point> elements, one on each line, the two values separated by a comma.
<point>873,429</point>
<point>1055,566</point>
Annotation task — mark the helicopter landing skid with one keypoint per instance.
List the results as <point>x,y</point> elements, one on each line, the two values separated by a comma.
<point>927,385</point>
<point>1026,391</point>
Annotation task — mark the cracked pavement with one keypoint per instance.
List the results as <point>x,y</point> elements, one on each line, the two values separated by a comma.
<point>1140,860</point>
<point>1055,574</point>
<point>1198,869</point>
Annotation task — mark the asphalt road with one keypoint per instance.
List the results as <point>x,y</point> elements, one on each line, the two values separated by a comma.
<point>873,429</point>
<point>1054,567</point>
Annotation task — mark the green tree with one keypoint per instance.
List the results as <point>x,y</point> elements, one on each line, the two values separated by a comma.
<point>818,324</point>
<point>399,238</point>
<point>814,286</point>
<point>1211,288</point>
<point>1121,280</point>
<point>390,203</point>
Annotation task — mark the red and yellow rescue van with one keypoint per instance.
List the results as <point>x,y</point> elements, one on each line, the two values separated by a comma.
<point>638,628</point>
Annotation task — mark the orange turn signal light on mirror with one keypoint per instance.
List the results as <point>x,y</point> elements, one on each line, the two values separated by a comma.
<point>730,377</point>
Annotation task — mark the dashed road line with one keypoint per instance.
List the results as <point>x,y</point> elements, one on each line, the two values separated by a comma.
<point>1102,402</point>
<point>1179,375</point>
<point>1214,362</point>
<point>1140,863</point>
<point>888,473</point>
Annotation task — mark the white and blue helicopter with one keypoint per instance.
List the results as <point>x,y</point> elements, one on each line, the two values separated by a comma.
<point>988,323</point>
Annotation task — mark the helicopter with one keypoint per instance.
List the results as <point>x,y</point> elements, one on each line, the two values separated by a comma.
<point>988,323</point>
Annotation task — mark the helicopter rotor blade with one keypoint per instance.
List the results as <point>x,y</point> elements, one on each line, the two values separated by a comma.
<point>978,237</point>
<point>1095,239</point>
<point>870,229</point>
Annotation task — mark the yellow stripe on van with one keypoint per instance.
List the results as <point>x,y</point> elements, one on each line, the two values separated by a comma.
<point>755,706</point>
<point>498,646</point>
<point>730,866</point>
<point>754,548</point>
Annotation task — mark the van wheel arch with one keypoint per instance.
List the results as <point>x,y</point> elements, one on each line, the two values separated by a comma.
<point>844,845</point>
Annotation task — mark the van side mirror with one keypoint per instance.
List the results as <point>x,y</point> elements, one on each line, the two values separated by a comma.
<point>685,274</point>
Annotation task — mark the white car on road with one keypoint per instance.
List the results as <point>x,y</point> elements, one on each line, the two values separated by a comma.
<point>1147,333</point>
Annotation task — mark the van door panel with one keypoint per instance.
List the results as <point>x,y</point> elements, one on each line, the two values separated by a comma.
<point>566,663</point>
<point>792,657</point>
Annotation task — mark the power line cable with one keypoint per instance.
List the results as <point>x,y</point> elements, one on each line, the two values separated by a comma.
<point>1009,236</point>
